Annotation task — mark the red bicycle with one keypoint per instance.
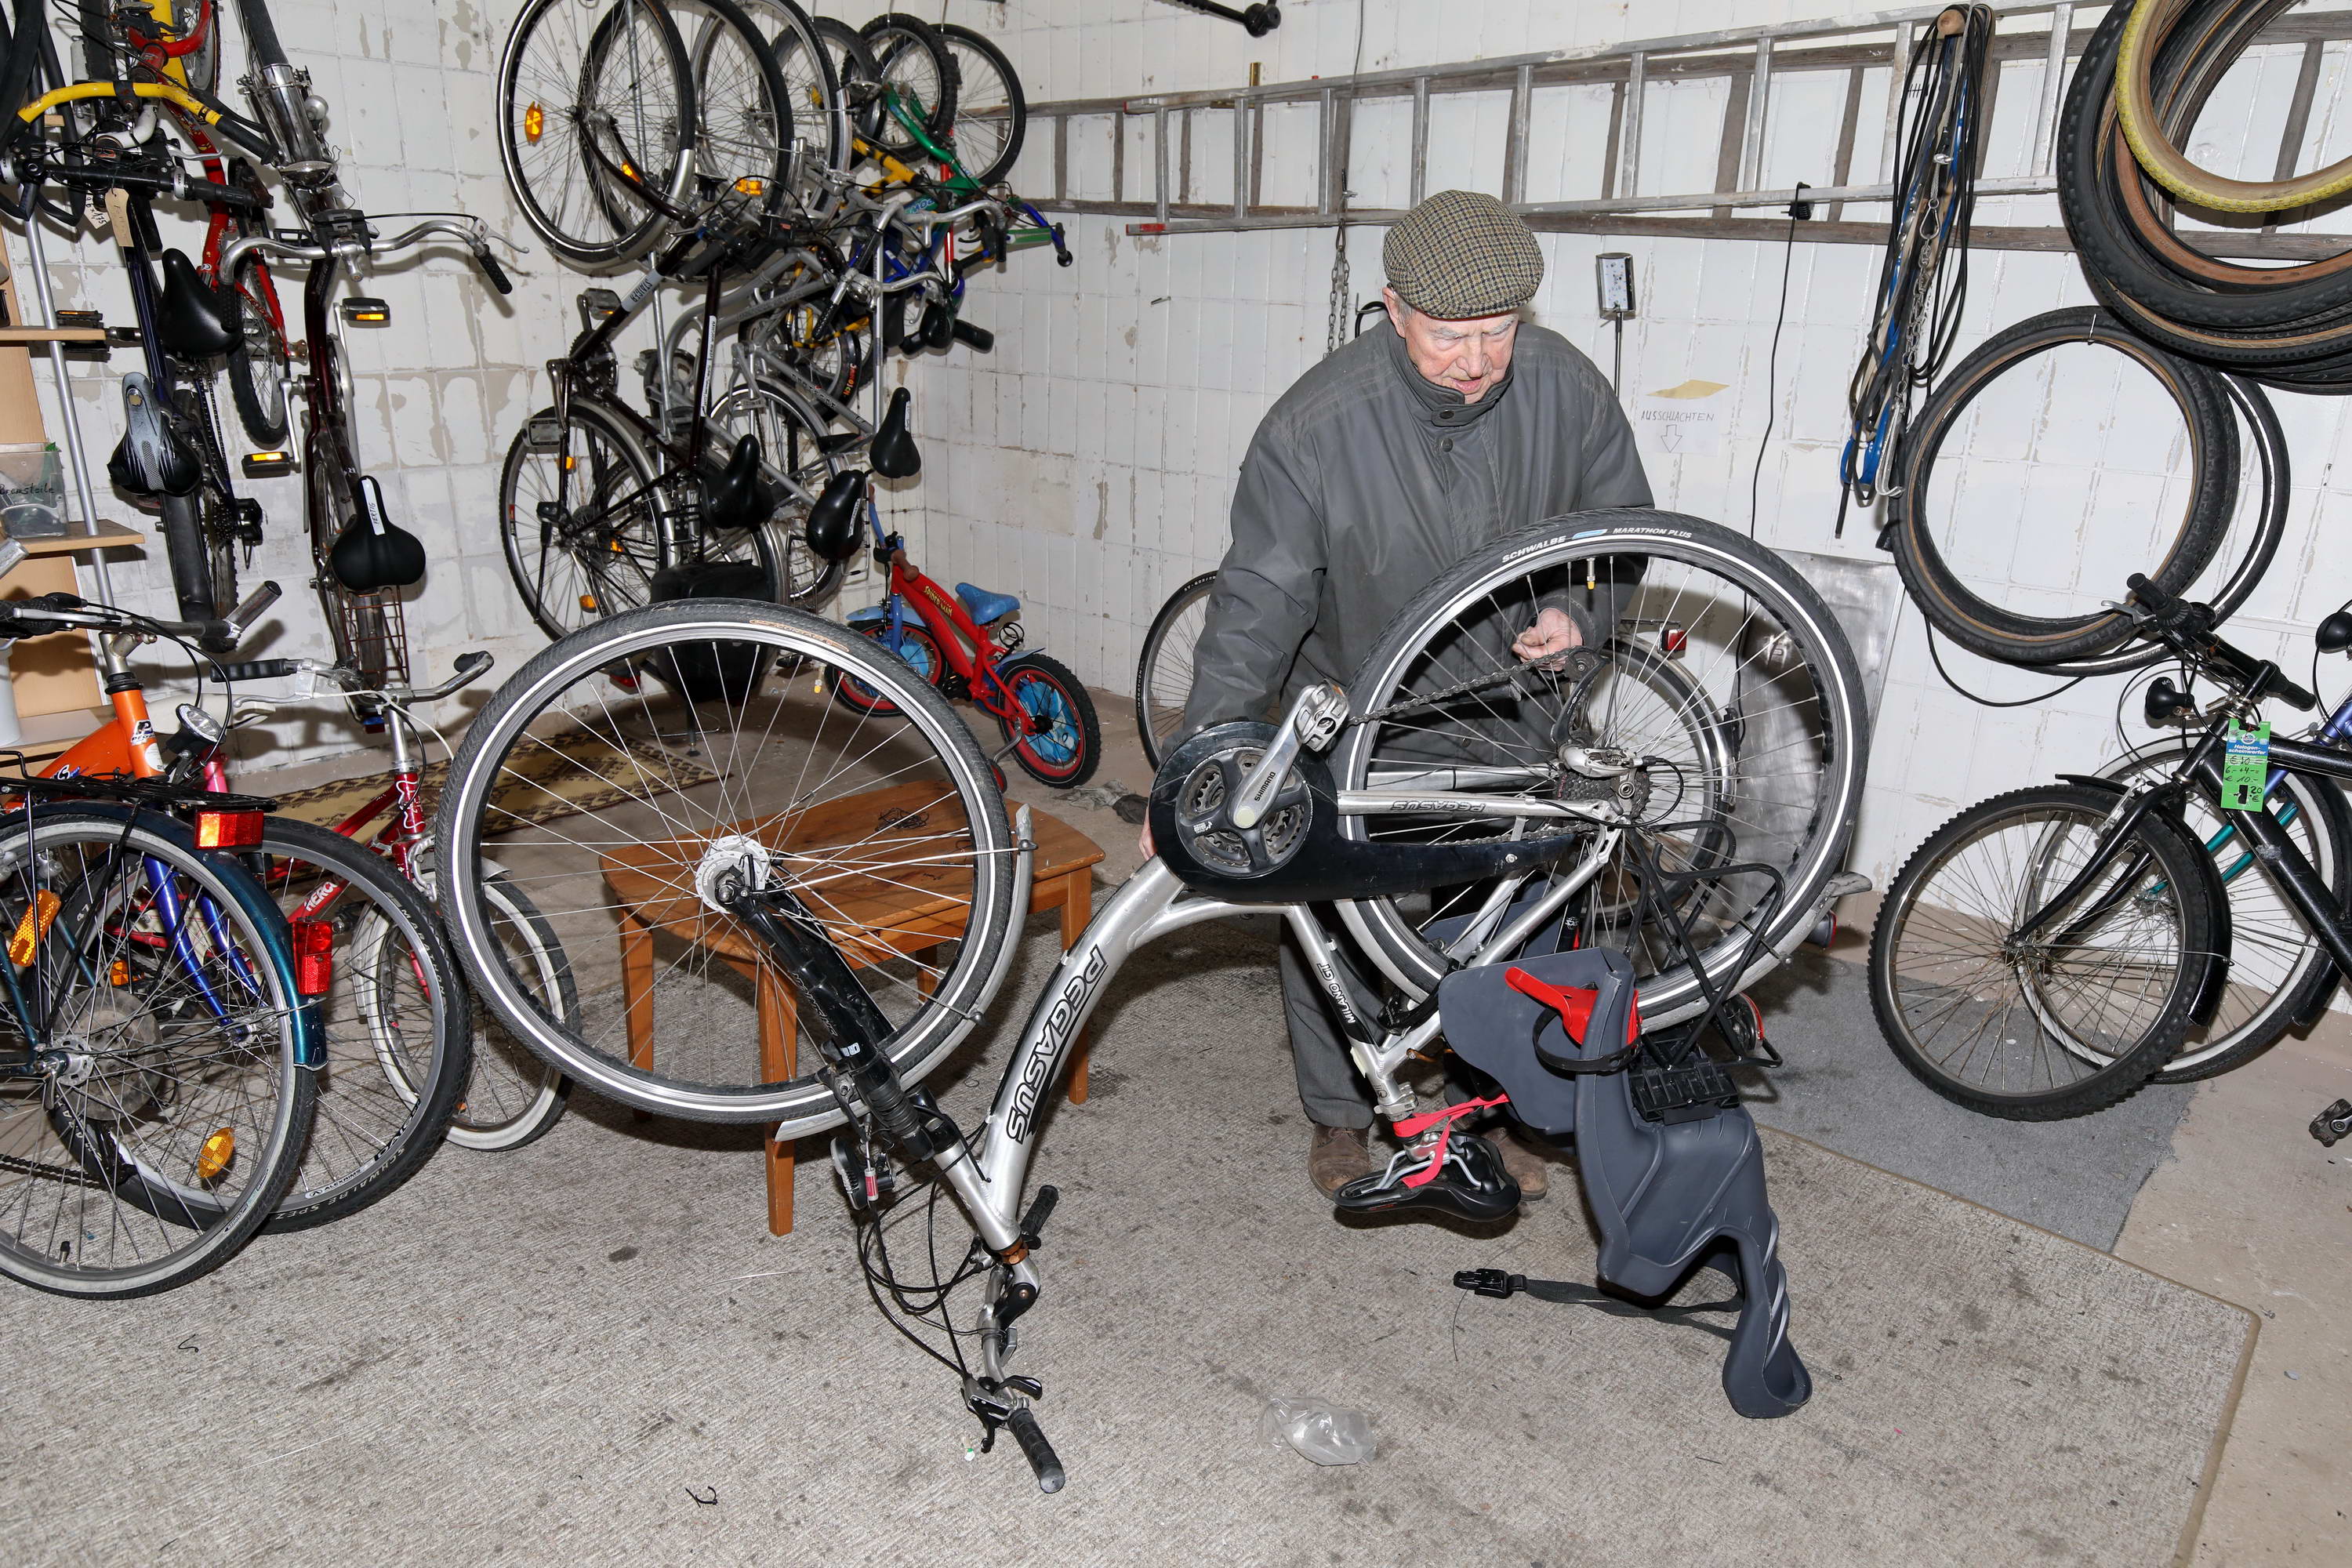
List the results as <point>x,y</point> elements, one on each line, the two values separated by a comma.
<point>969,645</point>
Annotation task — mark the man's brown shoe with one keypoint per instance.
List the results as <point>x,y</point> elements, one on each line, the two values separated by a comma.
<point>1337,1156</point>
<point>1527,1166</point>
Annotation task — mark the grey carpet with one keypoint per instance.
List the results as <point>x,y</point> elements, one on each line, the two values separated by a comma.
<point>1843,1087</point>
<point>534,1357</point>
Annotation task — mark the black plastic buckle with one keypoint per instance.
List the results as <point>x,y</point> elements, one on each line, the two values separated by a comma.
<point>1689,1091</point>
<point>1491,1282</point>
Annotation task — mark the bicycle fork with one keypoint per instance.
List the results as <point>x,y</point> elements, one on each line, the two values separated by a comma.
<point>917,1131</point>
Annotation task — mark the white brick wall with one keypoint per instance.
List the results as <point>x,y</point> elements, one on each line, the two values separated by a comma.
<point>1089,462</point>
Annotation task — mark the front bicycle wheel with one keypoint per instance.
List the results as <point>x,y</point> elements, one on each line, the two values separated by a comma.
<point>514,1098</point>
<point>1054,733</point>
<point>2278,973</point>
<point>595,104</point>
<point>634,771</point>
<point>2068,1018</point>
<point>1722,673</point>
<point>260,366</point>
<point>1163,674</point>
<point>992,118</point>
<point>819,115</point>
<point>917,77</point>
<point>743,110</point>
<point>154,1103</point>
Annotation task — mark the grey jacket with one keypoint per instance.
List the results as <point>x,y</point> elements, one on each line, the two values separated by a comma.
<point>1365,482</point>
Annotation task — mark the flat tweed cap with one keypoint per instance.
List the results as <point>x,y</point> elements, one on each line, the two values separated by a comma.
<point>1462,254</point>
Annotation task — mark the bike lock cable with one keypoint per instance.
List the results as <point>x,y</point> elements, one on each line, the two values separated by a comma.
<point>1918,318</point>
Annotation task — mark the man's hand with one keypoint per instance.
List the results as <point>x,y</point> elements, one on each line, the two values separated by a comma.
<point>1553,632</point>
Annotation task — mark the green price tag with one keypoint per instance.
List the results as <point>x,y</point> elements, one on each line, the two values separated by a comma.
<point>2246,767</point>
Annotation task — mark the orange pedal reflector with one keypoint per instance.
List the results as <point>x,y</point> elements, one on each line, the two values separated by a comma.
<point>119,972</point>
<point>588,602</point>
<point>314,956</point>
<point>32,927</point>
<point>215,1156</point>
<point>228,830</point>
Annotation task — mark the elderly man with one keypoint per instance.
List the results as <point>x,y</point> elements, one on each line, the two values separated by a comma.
<point>1452,423</point>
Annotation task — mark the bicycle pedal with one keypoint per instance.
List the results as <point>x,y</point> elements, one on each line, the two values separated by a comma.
<point>2333,1123</point>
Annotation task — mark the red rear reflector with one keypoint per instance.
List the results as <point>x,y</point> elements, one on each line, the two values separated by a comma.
<point>227,830</point>
<point>314,956</point>
<point>1675,639</point>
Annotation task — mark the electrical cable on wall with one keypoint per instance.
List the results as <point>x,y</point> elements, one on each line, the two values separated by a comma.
<point>1920,297</point>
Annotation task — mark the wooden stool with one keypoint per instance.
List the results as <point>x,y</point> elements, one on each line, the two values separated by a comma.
<point>918,901</point>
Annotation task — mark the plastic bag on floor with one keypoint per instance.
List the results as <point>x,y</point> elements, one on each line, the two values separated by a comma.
<point>1324,1433</point>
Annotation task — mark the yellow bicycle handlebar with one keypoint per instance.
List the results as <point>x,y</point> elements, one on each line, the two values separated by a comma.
<point>178,97</point>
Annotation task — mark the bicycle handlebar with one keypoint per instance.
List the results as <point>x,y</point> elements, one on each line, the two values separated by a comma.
<point>2188,627</point>
<point>63,610</point>
<point>472,233</point>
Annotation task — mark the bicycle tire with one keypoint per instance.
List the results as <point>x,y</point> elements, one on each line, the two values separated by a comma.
<point>856,77</point>
<point>2164,161</point>
<point>261,362</point>
<point>514,1098</point>
<point>618,541</point>
<point>1536,560</point>
<point>383,1105</point>
<point>965,808</point>
<point>1066,753</point>
<point>589,226</point>
<point>126,1151</point>
<point>915,648</point>
<point>988,93</point>
<point>2294,975</point>
<point>794,459</point>
<point>808,72</point>
<point>215,512</point>
<point>914,64</point>
<point>1949,603</point>
<point>744,117</point>
<point>1163,671</point>
<point>2143,1042</point>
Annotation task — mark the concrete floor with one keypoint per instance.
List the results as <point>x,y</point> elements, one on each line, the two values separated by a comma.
<point>2247,1206</point>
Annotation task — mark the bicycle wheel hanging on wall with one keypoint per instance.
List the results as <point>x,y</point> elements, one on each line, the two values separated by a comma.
<point>593,98</point>
<point>1960,525</point>
<point>2289,325</point>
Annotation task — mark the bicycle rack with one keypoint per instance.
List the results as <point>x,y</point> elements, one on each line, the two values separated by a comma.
<point>1749,59</point>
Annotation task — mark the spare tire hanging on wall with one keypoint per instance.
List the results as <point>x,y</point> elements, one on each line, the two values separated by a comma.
<point>2290,326</point>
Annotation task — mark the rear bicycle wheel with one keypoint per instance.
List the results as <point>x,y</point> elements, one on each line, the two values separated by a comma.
<point>612,71</point>
<point>618,806</point>
<point>819,115</point>
<point>992,117</point>
<point>396,1017</point>
<point>1163,672</point>
<point>2075,1016</point>
<point>1062,744</point>
<point>1723,671</point>
<point>163,1102</point>
<point>795,460</point>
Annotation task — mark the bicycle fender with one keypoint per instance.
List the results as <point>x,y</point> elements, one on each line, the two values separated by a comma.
<point>2217,970</point>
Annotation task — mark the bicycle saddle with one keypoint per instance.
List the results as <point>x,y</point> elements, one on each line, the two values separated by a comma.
<point>894,453</point>
<point>831,532</point>
<point>151,460</point>
<point>1297,853</point>
<point>984,606</point>
<point>196,319</point>
<point>738,496</point>
<point>374,552</point>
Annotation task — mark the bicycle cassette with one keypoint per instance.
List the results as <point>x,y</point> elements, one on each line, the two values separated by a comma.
<point>1296,852</point>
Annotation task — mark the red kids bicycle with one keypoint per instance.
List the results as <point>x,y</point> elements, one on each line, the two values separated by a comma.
<point>969,645</point>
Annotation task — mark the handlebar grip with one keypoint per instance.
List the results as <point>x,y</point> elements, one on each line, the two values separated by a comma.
<point>2292,694</point>
<point>492,270</point>
<point>258,669</point>
<point>979,339</point>
<point>1023,1425</point>
<point>219,195</point>
<point>254,603</point>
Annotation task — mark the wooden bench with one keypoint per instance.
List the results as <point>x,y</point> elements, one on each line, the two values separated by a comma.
<point>893,908</point>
